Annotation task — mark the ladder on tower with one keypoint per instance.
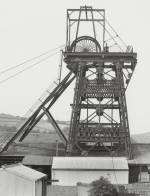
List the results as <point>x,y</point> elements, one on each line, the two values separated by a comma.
<point>37,111</point>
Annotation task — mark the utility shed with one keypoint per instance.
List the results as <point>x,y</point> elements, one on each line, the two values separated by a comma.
<point>19,180</point>
<point>40,163</point>
<point>68,171</point>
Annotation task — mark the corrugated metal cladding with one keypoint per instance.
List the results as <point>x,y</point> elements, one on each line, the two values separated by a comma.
<point>24,172</point>
<point>90,163</point>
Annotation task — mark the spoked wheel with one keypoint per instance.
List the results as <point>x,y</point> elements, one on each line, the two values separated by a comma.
<point>85,44</point>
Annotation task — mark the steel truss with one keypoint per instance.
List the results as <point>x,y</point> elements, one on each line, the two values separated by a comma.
<point>99,120</point>
<point>42,110</point>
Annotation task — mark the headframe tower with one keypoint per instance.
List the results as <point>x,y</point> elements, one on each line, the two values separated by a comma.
<point>99,121</point>
<point>103,65</point>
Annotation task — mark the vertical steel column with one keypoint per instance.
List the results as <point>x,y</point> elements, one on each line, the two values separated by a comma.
<point>123,109</point>
<point>75,111</point>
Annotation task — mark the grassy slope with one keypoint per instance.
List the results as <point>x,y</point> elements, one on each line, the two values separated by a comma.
<point>45,133</point>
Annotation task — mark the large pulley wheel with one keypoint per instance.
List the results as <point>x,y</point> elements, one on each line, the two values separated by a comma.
<point>85,44</point>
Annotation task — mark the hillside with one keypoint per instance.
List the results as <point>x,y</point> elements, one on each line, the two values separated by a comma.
<point>9,123</point>
<point>143,138</point>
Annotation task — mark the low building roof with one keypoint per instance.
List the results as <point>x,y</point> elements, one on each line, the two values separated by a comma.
<point>37,160</point>
<point>23,171</point>
<point>90,163</point>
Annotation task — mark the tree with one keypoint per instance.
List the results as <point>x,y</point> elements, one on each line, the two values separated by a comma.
<point>101,187</point>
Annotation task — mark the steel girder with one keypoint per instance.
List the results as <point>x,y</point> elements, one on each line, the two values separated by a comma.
<point>42,110</point>
<point>100,87</point>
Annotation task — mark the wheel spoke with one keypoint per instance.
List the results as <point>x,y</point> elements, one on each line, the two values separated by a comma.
<point>85,44</point>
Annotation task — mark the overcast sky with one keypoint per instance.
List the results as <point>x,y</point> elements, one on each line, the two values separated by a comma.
<point>31,27</point>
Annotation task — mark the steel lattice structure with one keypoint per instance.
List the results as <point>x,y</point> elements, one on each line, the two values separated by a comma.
<point>103,69</point>
<point>99,121</point>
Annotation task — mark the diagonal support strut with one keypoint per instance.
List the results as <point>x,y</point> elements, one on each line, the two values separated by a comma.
<point>31,122</point>
<point>55,125</point>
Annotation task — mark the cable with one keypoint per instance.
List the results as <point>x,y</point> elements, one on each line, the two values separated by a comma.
<point>111,37</point>
<point>31,59</point>
<point>114,32</point>
<point>29,67</point>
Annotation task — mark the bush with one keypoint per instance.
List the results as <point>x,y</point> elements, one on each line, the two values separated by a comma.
<point>102,187</point>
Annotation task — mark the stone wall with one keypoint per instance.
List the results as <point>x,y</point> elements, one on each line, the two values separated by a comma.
<point>142,189</point>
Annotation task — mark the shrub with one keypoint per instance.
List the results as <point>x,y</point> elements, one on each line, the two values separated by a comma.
<point>102,187</point>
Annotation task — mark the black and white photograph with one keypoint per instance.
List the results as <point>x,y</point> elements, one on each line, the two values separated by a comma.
<point>74,98</point>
